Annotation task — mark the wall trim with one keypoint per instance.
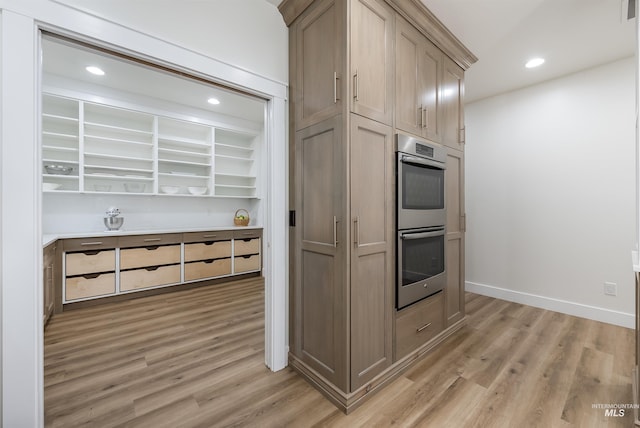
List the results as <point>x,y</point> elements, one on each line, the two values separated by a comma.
<point>595,313</point>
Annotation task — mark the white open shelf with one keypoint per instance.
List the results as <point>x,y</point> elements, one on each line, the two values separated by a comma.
<point>110,148</point>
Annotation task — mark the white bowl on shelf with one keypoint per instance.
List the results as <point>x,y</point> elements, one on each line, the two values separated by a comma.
<point>102,187</point>
<point>50,186</point>
<point>134,187</point>
<point>197,190</point>
<point>170,190</point>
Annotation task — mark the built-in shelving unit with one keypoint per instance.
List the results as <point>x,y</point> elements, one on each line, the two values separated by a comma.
<point>111,149</point>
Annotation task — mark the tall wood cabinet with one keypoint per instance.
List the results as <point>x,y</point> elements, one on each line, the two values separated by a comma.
<point>360,70</point>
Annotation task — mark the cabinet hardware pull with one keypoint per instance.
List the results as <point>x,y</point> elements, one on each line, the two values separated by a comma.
<point>423,327</point>
<point>209,236</point>
<point>91,275</point>
<point>426,118</point>
<point>91,253</point>
<point>421,116</point>
<point>208,243</point>
<point>151,268</point>
<point>91,243</point>
<point>356,86</point>
<point>335,231</point>
<point>152,239</point>
<point>152,248</point>
<point>463,222</point>
<point>335,88</point>
<point>208,261</point>
<point>356,231</point>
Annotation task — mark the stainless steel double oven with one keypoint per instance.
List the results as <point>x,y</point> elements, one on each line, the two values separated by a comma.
<point>420,178</point>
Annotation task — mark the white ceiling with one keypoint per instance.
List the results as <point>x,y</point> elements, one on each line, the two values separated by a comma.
<point>66,63</point>
<point>571,35</point>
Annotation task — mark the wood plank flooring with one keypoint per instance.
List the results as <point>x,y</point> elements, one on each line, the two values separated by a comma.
<point>195,358</point>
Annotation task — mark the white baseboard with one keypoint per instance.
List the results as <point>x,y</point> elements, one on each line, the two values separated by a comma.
<point>570,308</point>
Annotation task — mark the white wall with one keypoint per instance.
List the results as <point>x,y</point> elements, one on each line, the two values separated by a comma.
<point>550,193</point>
<point>20,200</point>
<point>249,34</point>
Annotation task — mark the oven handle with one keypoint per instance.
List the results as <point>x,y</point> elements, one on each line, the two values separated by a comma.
<point>421,235</point>
<point>420,161</point>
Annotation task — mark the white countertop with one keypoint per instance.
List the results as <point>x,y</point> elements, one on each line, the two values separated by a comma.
<point>49,238</point>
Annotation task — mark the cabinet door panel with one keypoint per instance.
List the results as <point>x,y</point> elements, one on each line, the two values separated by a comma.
<point>408,49</point>
<point>319,289</point>
<point>371,59</point>
<point>452,94</point>
<point>430,72</point>
<point>319,64</point>
<point>372,249</point>
<point>454,291</point>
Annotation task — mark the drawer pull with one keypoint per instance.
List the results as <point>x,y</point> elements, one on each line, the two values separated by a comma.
<point>91,275</point>
<point>151,268</point>
<point>208,261</point>
<point>248,256</point>
<point>152,248</point>
<point>208,243</point>
<point>152,239</point>
<point>91,243</point>
<point>423,327</point>
<point>209,236</point>
<point>91,253</point>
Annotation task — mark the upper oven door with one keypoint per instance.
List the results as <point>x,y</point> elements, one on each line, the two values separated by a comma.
<point>421,190</point>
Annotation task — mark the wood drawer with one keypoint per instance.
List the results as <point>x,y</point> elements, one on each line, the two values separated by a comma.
<point>218,235</point>
<point>149,277</point>
<point>148,240</point>
<point>90,262</point>
<point>246,234</point>
<point>417,324</point>
<point>149,256</point>
<point>244,247</point>
<point>80,287</point>
<point>207,251</point>
<point>88,244</point>
<point>207,269</point>
<point>247,263</point>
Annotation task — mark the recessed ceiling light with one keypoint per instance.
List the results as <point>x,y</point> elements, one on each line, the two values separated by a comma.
<point>534,62</point>
<point>95,70</point>
<point>213,101</point>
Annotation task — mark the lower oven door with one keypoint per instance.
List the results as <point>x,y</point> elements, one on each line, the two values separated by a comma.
<point>420,264</point>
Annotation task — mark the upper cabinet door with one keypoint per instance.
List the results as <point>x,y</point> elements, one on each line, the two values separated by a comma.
<point>430,78</point>
<point>372,67</point>
<point>418,82</point>
<point>408,50</point>
<point>319,57</point>
<point>452,94</point>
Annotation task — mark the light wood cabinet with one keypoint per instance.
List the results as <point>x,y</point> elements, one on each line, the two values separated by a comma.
<point>453,134</point>
<point>320,295</point>
<point>89,268</point>
<point>417,324</point>
<point>418,83</point>
<point>371,248</point>
<point>454,243</point>
<point>319,59</point>
<point>371,65</point>
<point>95,268</point>
<point>49,272</point>
<point>359,73</point>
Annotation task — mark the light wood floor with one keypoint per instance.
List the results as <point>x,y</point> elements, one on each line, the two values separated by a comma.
<point>196,359</point>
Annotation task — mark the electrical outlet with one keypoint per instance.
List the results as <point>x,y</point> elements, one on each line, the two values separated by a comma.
<point>610,288</point>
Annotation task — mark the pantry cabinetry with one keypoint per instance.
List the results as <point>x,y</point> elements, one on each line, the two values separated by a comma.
<point>419,62</point>
<point>350,93</point>
<point>99,267</point>
<point>97,148</point>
